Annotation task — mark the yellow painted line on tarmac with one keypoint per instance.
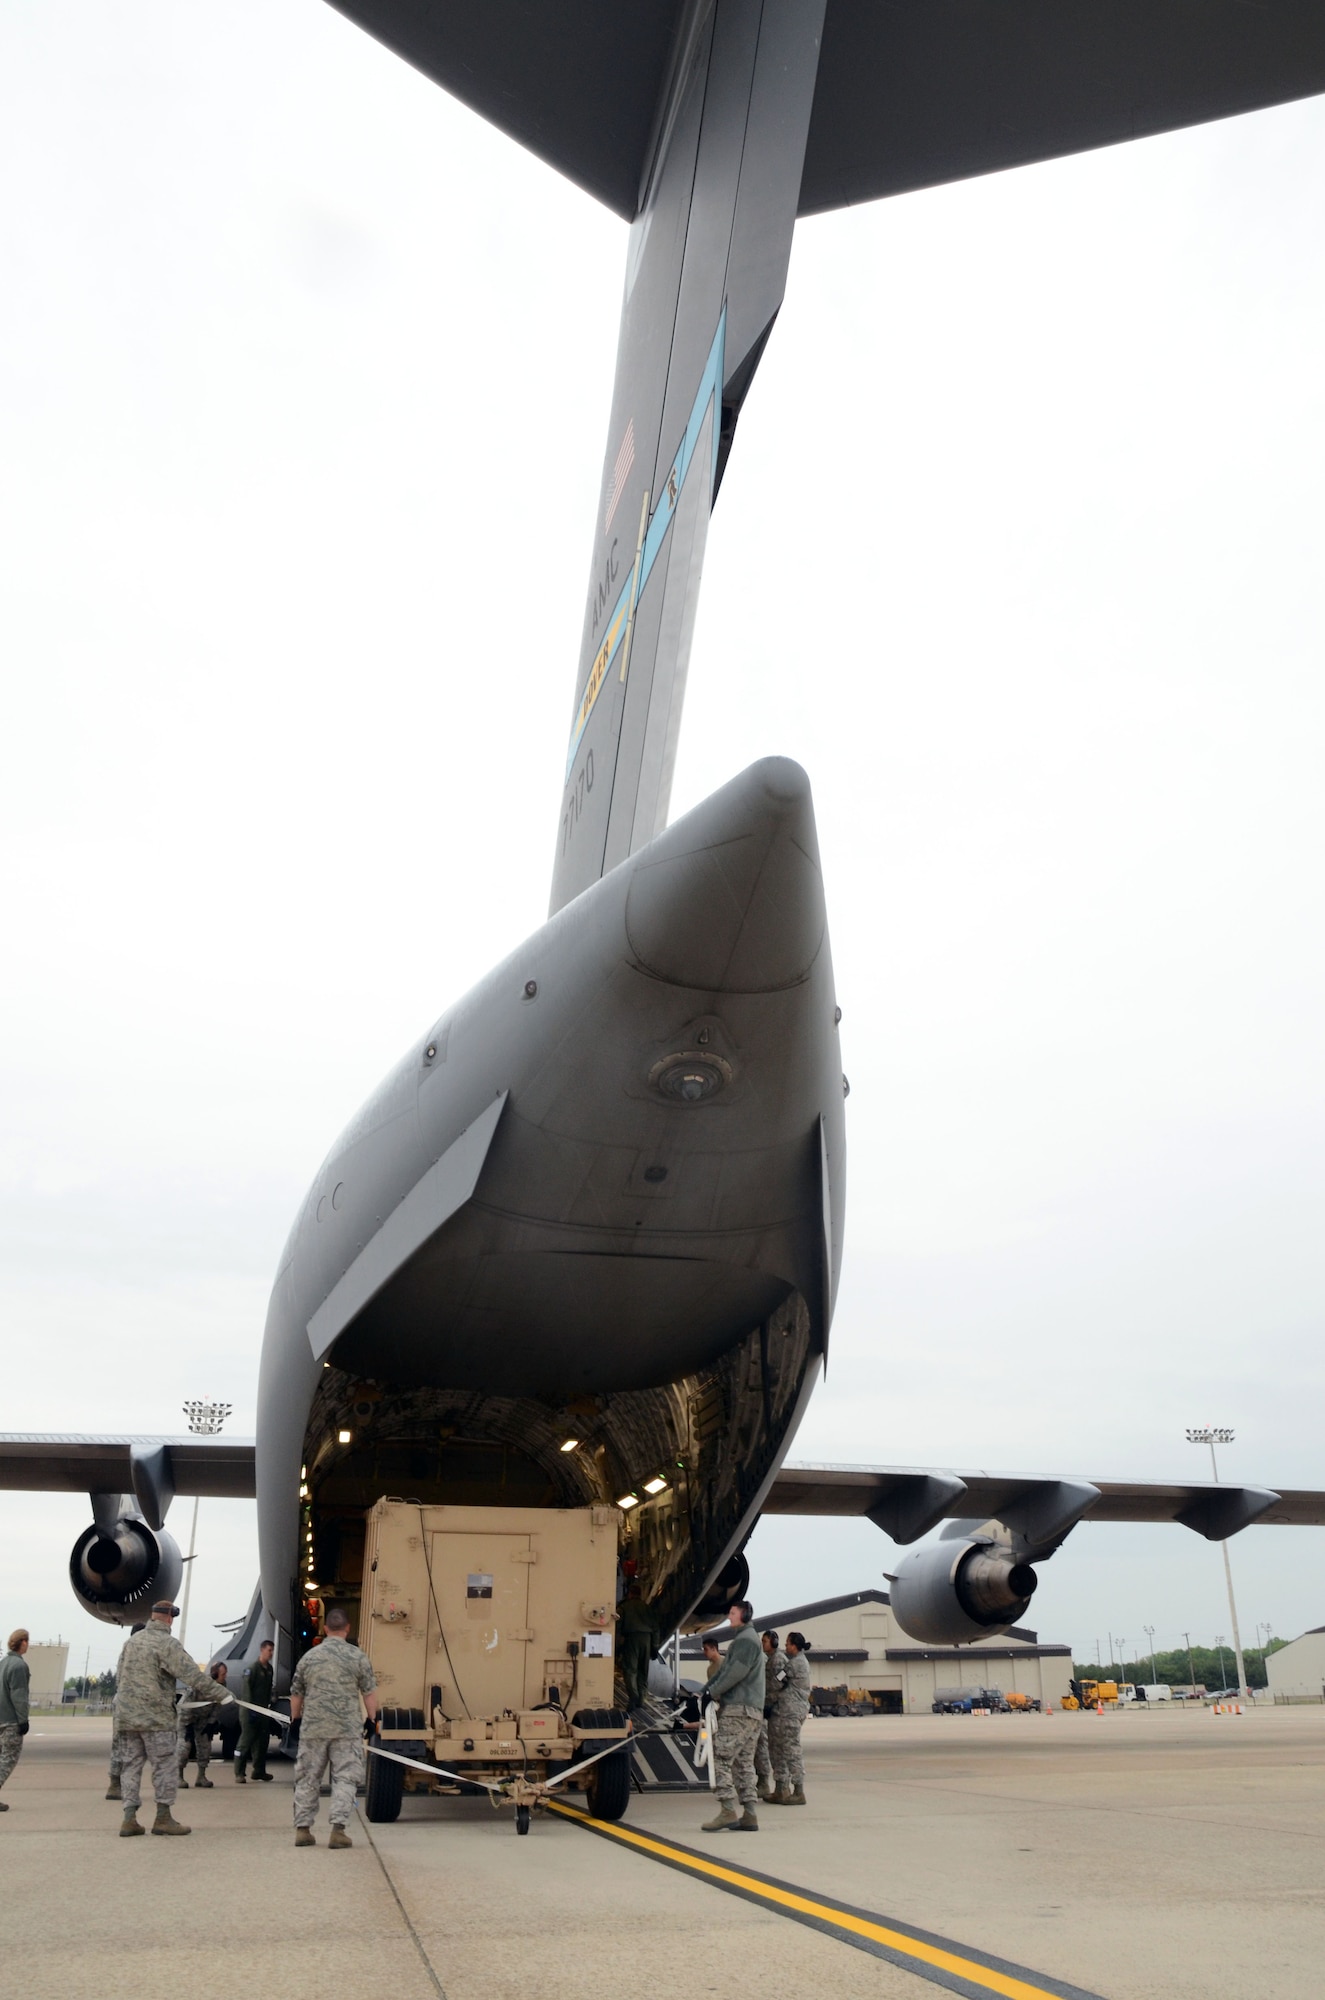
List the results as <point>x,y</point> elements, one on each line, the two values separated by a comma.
<point>956,1967</point>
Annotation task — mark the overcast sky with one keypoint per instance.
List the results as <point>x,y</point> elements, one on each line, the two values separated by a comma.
<point>1019,553</point>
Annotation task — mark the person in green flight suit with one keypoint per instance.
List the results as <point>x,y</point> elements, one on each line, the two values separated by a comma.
<point>637,1637</point>
<point>253,1737</point>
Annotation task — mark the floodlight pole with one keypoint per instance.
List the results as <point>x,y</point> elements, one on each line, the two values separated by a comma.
<point>1149,1631</point>
<point>1211,1435</point>
<point>205,1420</point>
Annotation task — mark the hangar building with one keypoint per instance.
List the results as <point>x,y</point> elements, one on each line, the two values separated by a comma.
<point>856,1641</point>
<point>1296,1672</point>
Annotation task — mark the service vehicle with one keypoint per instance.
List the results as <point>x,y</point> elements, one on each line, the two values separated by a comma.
<point>969,1701</point>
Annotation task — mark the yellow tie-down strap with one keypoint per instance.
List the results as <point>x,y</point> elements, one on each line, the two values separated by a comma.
<point>958,1967</point>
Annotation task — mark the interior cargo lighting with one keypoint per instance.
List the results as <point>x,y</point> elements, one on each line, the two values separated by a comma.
<point>628,1500</point>
<point>656,1484</point>
<point>303,1493</point>
<point>342,1437</point>
<point>571,1444</point>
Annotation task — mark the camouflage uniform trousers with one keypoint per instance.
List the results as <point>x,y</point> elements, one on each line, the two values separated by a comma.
<point>763,1762</point>
<point>734,1756</point>
<point>784,1740</point>
<point>156,1747</point>
<point>116,1754</point>
<point>346,1756</point>
<point>200,1736</point>
<point>11,1746</point>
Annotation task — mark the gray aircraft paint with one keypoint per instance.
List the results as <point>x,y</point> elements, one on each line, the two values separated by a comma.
<point>521,1221</point>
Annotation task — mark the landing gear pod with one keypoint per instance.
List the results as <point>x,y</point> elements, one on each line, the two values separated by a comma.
<point>120,1569</point>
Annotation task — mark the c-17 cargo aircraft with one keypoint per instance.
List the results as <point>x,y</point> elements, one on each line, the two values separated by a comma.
<point>581,1247</point>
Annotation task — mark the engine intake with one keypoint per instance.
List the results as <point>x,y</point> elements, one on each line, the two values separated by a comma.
<point>118,1570</point>
<point>960,1590</point>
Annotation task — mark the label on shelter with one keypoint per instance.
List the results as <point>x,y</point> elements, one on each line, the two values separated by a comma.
<point>478,1583</point>
<point>598,1645</point>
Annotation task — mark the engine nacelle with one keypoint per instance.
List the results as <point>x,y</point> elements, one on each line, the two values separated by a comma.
<point>121,1569</point>
<point>731,1582</point>
<point>959,1590</point>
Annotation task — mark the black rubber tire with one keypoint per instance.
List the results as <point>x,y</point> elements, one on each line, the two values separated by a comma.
<point>607,1786</point>
<point>600,1718</point>
<point>522,1819</point>
<point>384,1790</point>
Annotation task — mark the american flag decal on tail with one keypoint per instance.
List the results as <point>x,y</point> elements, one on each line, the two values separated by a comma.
<point>625,458</point>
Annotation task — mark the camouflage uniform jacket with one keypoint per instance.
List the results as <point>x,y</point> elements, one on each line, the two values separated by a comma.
<point>795,1695</point>
<point>775,1676</point>
<point>150,1664</point>
<point>331,1678</point>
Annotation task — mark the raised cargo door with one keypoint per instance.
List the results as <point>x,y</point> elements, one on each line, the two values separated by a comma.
<point>481,1586</point>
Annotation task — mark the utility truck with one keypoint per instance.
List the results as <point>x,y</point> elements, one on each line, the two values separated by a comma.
<point>492,1636</point>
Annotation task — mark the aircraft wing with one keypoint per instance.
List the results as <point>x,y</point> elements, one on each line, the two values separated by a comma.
<point>907,1501</point>
<point>909,93</point>
<point>220,1467</point>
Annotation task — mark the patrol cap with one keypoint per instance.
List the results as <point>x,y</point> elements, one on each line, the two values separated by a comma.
<point>166,1605</point>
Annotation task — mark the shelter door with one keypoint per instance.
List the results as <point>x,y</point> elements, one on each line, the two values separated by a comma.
<point>481,1586</point>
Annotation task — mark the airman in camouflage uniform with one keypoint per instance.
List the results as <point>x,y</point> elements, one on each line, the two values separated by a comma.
<point>324,1700</point>
<point>150,1664</point>
<point>775,1674</point>
<point>739,1686</point>
<point>13,1704</point>
<point>788,1719</point>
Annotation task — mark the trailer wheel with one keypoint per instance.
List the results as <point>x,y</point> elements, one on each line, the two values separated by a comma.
<point>607,1786</point>
<point>384,1790</point>
<point>522,1819</point>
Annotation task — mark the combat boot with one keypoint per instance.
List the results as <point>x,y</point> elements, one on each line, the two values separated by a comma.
<point>203,1785</point>
<point>304,1837</point>
<point>165,1822</point>
<point>768,1791</point>
<point>797,1798</point>
<point>240,1779</point>
<point>129,1825</point>
<point>262,1778</point>
<point>113,1789</point>
<point>725,1816</point>
<point>339,1838</point>
<point>747,1823</point>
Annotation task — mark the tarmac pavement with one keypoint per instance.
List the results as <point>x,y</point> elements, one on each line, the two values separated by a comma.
<point>1169,1855</point>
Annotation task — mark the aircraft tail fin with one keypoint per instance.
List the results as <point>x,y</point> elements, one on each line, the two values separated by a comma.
<point>705,272</point>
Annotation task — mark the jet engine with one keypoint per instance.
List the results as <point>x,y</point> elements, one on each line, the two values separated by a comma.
<point>120,1568</point>
<point>961,1589</point>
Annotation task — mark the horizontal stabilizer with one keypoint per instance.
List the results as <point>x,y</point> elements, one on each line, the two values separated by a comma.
<point>908,95</point>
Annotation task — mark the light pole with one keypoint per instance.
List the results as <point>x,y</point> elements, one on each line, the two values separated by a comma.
<point>205,1420</point>
<point>1223,1671</point>
<point>1213,1435</point>
<point>1191,1671</point>
<point>1149,1631</point>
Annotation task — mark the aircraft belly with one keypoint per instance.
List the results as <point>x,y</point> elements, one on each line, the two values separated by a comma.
<point>555,1322</point>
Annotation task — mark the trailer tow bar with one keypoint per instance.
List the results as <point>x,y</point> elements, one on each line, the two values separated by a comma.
<point>521,1792</point>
